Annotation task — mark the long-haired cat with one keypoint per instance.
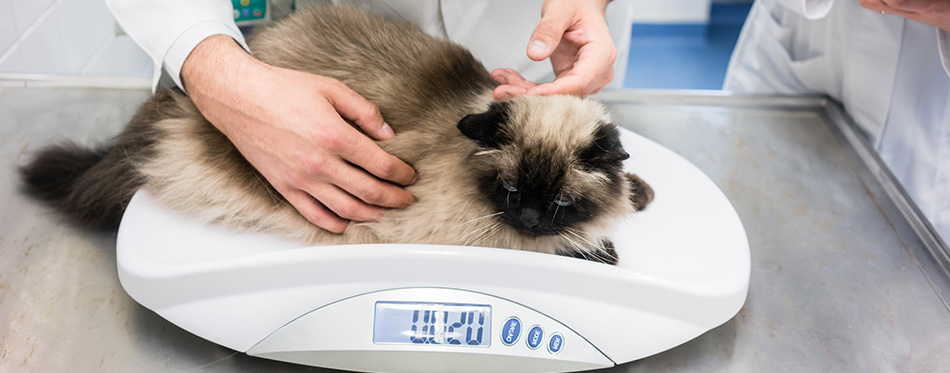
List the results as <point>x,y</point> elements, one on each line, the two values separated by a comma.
<point>531,173</point>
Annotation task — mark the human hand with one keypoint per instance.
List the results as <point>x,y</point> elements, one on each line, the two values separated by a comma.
<point>288,125</point>
<point>931,12</point>
<point>574,35</point>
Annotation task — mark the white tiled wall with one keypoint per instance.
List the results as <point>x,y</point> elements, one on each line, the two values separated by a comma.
<point>8,29</point>
<point>27,12</point>
<point>93,21</point>
<point>65,38</point>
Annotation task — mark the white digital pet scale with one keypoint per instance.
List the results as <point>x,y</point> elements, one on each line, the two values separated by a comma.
<point>683,270</point>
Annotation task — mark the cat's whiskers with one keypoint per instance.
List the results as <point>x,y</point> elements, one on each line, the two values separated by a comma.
<point>478,219</point>
<point>466,238</point>
<point>575,230</point>
<point>489,151</point>
<point>577,247</point>
<point>483,234</point>
<point>593,248</point>
<point>573,244</point>
<point>488,233</point>
<point>478,229</point>
<point>592,245</point>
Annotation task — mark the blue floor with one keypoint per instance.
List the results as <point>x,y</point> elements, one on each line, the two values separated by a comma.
<point>685,56</point>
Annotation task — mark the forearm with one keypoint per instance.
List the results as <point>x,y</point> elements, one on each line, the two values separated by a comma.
<point>208,74</point>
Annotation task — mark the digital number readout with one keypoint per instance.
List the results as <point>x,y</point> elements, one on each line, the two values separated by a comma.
<point>432,324</point>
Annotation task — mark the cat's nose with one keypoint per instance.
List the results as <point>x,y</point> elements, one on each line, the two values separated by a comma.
<point>530,217</point>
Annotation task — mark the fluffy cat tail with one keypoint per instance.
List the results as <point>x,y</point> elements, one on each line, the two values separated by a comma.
<point>87,185</point>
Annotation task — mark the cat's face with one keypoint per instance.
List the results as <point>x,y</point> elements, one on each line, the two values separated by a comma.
<point>548,165</point>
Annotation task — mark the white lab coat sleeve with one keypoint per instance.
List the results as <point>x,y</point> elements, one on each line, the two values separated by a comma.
<point>168,30</point>
<point>943,44</point>
<point>810,9</point>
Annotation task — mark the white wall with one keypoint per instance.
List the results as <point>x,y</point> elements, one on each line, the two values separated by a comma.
<point>66,38</point>
<point>671,11</point>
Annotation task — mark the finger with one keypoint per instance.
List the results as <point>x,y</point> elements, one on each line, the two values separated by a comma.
<point>547,35</point>
<point>314,212</point>
<point>591,72</point>
<point>359,110</point>
<point>371,190</point>
<point>567,85</point>
<point>875,5</point>
<point>501,76</point>
<point>364,153</point>
<point>343,204</point>
<point>508,76</point>
<point>883,7</point>
<point>572,85</point>
<point>505,92</point>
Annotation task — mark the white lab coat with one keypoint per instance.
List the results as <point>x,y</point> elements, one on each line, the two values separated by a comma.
<point>496,31</point>
<point>890,73</point>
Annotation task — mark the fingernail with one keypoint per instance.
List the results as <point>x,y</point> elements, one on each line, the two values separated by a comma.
<point>415,179</point>
<point>412,199</point>
<point>537,47</point>
<point>504,96</point>
<point>387,131</point>
<point>501,79</point>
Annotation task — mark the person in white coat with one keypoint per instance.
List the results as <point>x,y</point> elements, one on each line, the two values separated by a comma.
<point>289,125</point>
<point>886,61</point>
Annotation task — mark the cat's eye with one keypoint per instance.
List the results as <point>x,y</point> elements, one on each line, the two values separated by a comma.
<point>563,202</point>
<point>507,186</point>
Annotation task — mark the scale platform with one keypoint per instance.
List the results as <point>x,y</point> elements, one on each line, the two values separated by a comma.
<point>683,270</point>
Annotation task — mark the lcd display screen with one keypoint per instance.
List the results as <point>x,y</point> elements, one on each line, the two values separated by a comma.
<point>448,324</point>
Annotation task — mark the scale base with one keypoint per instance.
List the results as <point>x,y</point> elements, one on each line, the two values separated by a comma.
<point>684,269</point>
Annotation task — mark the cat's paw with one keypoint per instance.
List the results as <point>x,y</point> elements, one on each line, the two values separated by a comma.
<point>640,192</point>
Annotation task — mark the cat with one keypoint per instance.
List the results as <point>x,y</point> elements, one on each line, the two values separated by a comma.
<point>531,173</point>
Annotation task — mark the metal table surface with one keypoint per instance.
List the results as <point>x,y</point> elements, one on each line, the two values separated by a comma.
<point>844,277</point>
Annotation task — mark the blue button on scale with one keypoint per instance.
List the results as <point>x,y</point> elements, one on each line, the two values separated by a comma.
<point>535,337</point>
<point>556,343</point>
<point>511,331</point>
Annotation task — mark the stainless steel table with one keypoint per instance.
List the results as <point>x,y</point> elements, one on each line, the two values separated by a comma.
<point>845,275</point>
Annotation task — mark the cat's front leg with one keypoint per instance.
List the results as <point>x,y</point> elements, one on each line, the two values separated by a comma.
<point>640,192</point>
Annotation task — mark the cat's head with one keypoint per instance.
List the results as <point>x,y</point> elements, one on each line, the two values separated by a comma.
<point>548,165</point>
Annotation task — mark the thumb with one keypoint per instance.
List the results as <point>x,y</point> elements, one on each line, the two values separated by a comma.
<point>547,35</point>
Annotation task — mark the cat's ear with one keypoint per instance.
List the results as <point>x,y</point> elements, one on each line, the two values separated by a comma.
<point>487,128</point>
<point>605,148</point>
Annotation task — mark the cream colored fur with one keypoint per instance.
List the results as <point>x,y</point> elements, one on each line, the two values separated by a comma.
<point>208,182</point>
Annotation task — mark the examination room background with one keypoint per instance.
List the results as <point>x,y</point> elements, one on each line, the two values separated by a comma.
<point>675,44</point>
<point>841,277</point>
